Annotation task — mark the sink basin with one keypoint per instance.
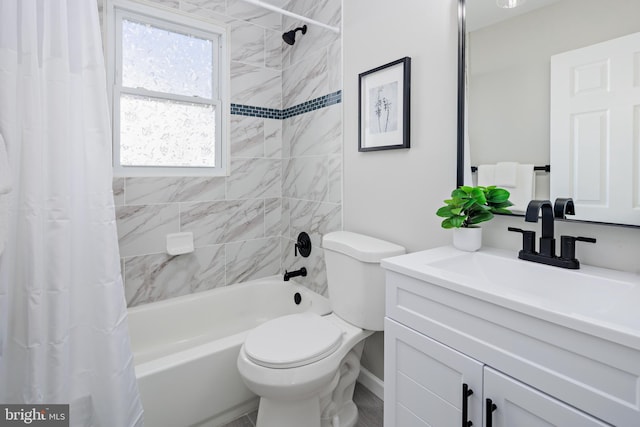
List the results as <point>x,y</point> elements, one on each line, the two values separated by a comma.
<point>590,295</point>
<point>578,291</point>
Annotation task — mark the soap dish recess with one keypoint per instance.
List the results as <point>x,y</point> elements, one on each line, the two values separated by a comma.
<point>180,243</point>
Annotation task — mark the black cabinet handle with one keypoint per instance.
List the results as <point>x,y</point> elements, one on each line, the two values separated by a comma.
<point>489,408</point>
<point>466,392</point>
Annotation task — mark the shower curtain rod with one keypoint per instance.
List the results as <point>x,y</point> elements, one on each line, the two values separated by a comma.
<point>291,14</point>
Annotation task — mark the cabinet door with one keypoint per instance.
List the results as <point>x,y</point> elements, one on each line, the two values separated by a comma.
<point>520,405</point>
<point>424,381</point>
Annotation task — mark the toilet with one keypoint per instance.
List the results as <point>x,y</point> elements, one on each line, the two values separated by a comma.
<point>304,366</point>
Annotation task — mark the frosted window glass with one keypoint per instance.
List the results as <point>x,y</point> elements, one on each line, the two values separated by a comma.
<point>158,132</point>
<point>165,61</point>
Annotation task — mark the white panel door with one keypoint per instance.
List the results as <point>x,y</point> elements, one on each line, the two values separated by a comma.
<point>424,381</point>
<point>595,132</point>
<point>520,405</point>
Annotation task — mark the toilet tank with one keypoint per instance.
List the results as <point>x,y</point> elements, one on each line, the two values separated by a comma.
<point>354,276</point>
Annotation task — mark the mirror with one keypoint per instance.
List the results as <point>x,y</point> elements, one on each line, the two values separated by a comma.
<point>507,55</point>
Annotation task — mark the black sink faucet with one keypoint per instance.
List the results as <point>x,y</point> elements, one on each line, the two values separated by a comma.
<point>547,254</point>
<point>547,240</point>
<point>563,207</point>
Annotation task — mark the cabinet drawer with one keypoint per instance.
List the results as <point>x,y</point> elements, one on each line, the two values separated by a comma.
<point>591,373</point>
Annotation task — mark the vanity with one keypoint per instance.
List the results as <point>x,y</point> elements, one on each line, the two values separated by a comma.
<point>486,339</point>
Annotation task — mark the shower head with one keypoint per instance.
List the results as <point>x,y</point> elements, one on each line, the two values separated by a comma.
<point>290,36</point>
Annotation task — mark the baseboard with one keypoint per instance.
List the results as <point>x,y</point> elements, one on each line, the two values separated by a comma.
<point>374,384</point>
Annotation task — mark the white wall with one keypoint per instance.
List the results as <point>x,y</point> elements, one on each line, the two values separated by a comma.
<point>394,194</point>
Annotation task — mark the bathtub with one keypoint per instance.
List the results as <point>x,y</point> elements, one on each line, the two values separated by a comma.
<point>185,349</point>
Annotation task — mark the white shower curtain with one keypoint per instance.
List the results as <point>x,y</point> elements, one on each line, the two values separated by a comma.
<point>63,325</point>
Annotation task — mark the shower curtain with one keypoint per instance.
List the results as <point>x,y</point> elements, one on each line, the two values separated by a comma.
<point>63,326</point>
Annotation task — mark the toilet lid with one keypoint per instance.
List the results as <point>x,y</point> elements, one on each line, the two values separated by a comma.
<point>292,341</point>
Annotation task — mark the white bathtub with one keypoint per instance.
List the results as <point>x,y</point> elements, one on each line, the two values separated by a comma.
<point>185,349</point>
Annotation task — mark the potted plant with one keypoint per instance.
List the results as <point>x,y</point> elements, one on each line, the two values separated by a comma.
<point>469,206</point>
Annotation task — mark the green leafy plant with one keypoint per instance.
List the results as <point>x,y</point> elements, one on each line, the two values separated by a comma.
<point>472,205</point>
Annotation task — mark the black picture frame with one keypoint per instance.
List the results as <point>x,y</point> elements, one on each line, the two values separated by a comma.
<point>384,106</point>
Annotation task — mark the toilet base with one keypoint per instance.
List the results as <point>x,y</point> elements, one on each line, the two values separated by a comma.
<point>274,413</point>
<point>303,413</point>
<point>332,407</point>
<point>347,417</point>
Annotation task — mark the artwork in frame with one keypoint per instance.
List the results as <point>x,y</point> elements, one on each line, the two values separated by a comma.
<point>384,106</point>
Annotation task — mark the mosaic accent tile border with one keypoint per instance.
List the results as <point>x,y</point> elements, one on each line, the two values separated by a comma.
<point>251,111</point>
<point>273,113</point>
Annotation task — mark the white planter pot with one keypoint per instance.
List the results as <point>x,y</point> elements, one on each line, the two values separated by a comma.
<point>467,239</point>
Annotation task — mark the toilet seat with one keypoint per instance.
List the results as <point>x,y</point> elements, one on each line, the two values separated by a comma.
<point>292,341</point>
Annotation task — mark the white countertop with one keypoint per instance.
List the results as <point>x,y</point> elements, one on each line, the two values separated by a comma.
<point>596,301</point>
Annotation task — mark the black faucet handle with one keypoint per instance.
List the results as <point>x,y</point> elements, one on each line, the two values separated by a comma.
<point>568,245</point>
<point>528,239</point>
<point>303,245</point>
<point>585,239</point>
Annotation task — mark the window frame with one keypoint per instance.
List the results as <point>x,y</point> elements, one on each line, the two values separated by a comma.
<point>179,22</point>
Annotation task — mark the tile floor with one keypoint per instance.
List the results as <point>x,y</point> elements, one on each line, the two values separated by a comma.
<point>369,406</point>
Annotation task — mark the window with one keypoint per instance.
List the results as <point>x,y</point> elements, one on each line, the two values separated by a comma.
<point>168,77</point>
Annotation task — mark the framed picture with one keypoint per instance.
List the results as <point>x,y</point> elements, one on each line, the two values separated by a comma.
<point>384,106</point>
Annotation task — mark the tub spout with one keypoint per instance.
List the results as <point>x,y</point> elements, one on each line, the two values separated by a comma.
<point>289,274</point>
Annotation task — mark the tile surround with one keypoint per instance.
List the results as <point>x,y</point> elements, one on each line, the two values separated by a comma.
<point>253,85</point>
<point>213,5</point>
<point>273,139</point>
<point>273,49</point>
<point>142,228</point>
<point>252,178</point>
<point>319,132</point>
<point>223,222</point>
<point>296,110</point>
<point>308,79</point>
<point>161,276</point>
<point>252,259</point>
<point>317,38</point>
<point>306,178</point>
<point>245,224</point>
<point>247,43</point>
<point>256,15</point>
<point>146,191</point>
<point>254,111</point>
<point>247,136</point>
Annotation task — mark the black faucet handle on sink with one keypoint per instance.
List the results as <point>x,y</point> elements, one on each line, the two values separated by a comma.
<point>568,246</point>
<point>528,239</point>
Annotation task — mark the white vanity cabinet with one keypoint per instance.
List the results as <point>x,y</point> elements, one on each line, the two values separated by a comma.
<point>537,369</point>
<point>430,384</point>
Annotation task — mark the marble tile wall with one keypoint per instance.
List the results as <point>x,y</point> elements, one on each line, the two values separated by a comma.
<point>312,142</point>
<point>285,174</point>
<point>236,223</point>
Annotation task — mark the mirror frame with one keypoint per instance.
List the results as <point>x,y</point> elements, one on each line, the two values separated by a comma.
<point>462,29</point>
